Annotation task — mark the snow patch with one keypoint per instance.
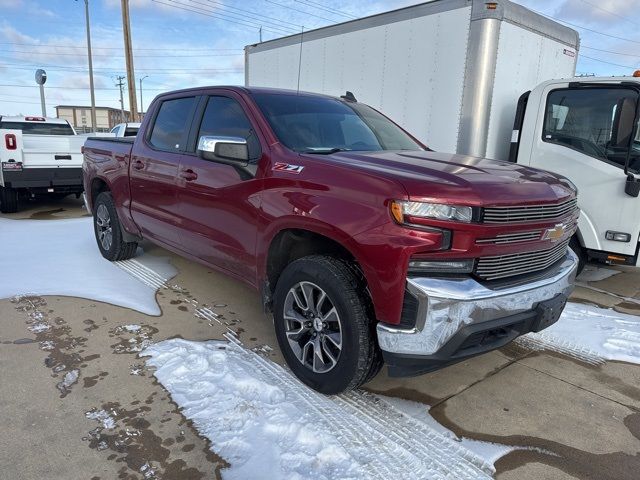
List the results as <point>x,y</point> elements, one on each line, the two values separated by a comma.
<point>69,263</point>
<point>591,334</point>
<point>267,424</point>
<point>103,417</point>
<point>69,379</point>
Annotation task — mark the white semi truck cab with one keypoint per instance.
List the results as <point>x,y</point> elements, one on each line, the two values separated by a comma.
<point>587,130</point>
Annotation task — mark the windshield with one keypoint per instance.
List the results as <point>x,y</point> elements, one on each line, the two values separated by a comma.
<point>33,128</point>
<point>313,124</point>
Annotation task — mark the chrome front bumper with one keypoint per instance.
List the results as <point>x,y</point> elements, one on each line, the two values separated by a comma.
<point>445,306</point>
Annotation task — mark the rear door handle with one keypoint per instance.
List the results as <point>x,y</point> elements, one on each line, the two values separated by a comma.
<point>138,165</point>
<point>189,175</point>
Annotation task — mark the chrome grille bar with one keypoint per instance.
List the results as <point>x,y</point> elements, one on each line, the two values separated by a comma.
<point>529,213</point>
<point>503,266</point>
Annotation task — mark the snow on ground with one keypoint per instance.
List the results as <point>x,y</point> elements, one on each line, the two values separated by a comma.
<point>267,424</point>
<point>591,334</point>
<point>61,258</point>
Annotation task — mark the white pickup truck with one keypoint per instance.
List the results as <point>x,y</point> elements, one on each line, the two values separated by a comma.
<point>39,156</point>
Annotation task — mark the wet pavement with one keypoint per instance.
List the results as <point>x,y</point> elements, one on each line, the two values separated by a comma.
<point>77,402</point>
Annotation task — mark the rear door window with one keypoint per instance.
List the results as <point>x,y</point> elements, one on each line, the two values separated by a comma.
<point>172,124</point>
<point>33,128</point>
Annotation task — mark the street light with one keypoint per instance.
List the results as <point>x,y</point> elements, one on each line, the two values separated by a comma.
<point>93,95</point>
<point>141,106</point>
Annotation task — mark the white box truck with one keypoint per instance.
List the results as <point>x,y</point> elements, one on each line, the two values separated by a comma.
<point>473,77</point>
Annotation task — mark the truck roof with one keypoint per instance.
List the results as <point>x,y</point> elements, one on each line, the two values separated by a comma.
<point>504,10</point>
<point>249,90</point>
<point>33,119</point>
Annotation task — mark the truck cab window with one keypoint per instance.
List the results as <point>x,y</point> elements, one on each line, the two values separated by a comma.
<point>172,124</point>
<point>585,120</point>
<point>224,117</point>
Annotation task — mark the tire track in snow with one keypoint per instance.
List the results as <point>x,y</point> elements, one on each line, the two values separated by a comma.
<point>403,447</point>
<point>545,341</point>
<point>142,273</point>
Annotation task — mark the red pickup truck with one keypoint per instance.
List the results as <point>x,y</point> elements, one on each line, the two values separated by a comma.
<point>367,246</point>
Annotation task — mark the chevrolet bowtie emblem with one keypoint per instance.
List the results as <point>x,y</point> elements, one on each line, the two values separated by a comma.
<point>556,233</point>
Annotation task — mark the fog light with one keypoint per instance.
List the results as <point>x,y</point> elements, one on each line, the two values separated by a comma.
<point>617,236</point>
<point>440,266</point>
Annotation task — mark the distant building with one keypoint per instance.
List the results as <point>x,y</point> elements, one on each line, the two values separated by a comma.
<point>80,117</point>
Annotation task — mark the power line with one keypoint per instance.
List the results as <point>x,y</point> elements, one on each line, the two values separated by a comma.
<point>609,63</point>
<point>319,6</point>
<point>76,88</point>
<point>253,13</point>
<point>299,11</point>
<point>209,13</point>
<point>609,12</point>
<point>586,28</point>
<point>251,16</point>
<point>610,51</point>
<point>199,55</point>
<point>120,48</point>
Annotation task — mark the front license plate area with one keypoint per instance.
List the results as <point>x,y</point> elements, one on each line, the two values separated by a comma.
<point>549,312</point>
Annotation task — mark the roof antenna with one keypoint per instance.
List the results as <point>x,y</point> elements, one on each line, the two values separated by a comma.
<point>300,59</point>
<point>349,97</point>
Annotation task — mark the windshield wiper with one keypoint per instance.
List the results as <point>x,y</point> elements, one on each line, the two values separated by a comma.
<point>325,151</point>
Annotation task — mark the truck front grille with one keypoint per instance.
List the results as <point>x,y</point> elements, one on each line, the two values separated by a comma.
<point>529,213</point>
<point>504,266</point>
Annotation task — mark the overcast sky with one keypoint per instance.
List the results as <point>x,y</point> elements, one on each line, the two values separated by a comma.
<point>178,48</point>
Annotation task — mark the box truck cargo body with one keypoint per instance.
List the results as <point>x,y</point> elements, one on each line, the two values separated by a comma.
<point>449,71</point>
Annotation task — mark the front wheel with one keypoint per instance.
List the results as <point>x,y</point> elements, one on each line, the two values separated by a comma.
<point>323,322</point>
<point>107,229</point>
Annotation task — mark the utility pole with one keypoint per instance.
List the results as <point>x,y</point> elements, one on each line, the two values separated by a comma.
<point>93,93</point>
<point>128,53</point>
<point>141,106</point>
<point>260,32</point>
<point>121,84</point>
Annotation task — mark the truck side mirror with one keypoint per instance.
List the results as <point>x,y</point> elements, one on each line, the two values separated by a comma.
<point>632,186</point>
<point>229,150</point>
<point>623,123</point>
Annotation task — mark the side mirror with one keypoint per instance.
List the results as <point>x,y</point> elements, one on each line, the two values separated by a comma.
<point>632,186</point>
<point>229,150</point>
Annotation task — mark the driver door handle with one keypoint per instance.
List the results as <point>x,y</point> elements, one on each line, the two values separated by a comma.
<point>137,164</point>
<point>188,174</point>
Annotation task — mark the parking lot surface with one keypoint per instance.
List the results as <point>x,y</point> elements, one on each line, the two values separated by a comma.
<point>66,384</point>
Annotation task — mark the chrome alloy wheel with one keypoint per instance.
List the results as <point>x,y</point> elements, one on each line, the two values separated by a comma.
<point>312,326</point>
<point>103,227</point>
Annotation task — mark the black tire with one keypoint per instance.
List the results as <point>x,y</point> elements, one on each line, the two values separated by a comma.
<point>105,222</point>
<point>8,200</point>
<point>359,358</point>
<point>574,245</point>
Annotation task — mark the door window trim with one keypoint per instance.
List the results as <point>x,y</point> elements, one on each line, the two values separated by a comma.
<point>185,137</point>
<point>633,88</point>
<point>199,117</point>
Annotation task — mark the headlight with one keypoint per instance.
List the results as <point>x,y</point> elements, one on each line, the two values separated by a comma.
<point>438,211</point>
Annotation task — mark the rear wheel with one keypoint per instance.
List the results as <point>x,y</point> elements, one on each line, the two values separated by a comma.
<point>8,200</point>
<point>324,325</point>
<point>108,231</point>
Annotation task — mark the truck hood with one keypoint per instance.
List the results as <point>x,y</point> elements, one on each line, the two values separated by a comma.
<point>461,179</point>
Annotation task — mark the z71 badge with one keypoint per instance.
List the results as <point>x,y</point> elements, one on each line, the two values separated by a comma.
<point>287,167</point>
